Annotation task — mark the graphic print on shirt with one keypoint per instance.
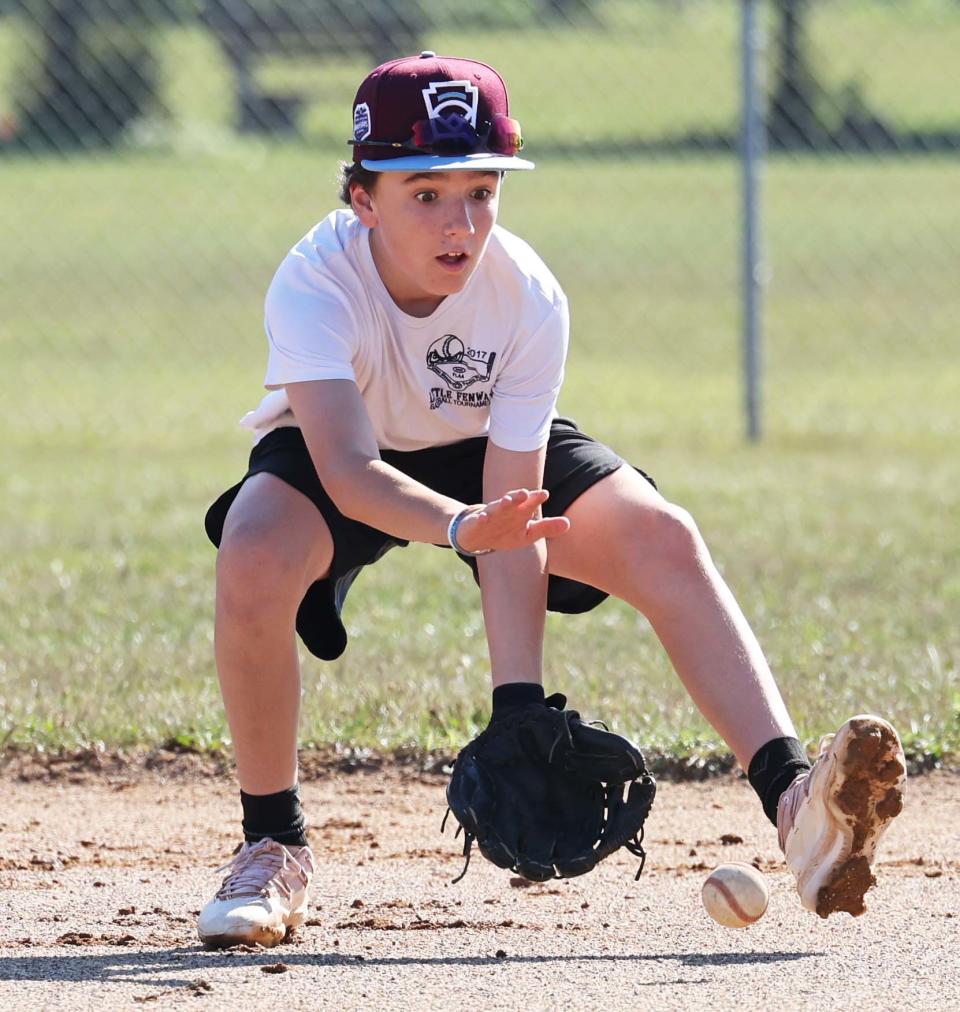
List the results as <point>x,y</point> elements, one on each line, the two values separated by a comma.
<point>459,367</point>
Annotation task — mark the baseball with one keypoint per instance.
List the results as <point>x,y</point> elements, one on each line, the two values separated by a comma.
<point>735,895</point>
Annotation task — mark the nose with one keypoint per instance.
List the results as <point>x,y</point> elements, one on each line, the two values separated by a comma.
<point>459,221</point>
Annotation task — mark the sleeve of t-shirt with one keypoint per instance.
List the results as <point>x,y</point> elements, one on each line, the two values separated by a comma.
<point>525,393</point>
<point>311,330</point>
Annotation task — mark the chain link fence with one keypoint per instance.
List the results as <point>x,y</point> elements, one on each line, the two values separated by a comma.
<point>160,156</point>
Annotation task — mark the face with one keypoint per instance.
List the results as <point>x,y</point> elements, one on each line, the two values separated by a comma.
<point>429,231</point>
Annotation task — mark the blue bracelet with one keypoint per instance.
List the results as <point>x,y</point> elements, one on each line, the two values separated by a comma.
<point>452,529</point>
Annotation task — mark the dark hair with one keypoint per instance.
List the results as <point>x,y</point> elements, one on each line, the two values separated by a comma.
<point>354,172</point>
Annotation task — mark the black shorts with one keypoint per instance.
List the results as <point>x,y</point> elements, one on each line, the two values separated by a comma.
<point>574,462</point>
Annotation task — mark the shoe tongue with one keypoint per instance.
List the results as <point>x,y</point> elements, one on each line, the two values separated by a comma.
<point>253,869</point>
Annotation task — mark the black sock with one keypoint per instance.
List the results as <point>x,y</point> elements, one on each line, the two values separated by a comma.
<point>773,769</point>
<point>516,694</point>
<point>278,816</point>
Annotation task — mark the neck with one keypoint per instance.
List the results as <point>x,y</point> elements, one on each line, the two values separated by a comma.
<point>414,303</point>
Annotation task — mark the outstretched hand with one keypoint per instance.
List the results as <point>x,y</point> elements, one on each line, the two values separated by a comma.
<point>511,521</point>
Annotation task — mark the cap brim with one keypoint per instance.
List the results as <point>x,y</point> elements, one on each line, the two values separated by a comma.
<point>447,163</point>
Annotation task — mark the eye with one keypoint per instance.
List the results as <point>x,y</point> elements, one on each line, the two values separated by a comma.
<point>483,193</point>
<point>426,196</point>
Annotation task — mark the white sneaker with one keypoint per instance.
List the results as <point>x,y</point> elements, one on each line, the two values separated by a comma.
<point>262,897</point>
<point>830,820</point>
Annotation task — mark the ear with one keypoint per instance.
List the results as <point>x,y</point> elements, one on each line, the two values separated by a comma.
<point>363,206</point>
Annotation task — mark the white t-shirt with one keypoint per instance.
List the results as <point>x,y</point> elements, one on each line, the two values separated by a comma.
<point>488,360</point>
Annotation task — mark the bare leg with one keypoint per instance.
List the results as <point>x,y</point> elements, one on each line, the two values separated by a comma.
<point>626,539</point>
<point>275,544</point>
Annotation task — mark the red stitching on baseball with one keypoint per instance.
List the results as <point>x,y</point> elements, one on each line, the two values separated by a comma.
<point>732,902</point>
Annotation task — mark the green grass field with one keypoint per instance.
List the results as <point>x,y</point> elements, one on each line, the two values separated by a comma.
<point>131,354</point>
<point>130,340</point>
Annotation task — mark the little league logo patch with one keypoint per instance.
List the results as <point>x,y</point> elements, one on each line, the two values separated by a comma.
<point>443,98</point>
<point>361,122</point>
<point>459,367</point>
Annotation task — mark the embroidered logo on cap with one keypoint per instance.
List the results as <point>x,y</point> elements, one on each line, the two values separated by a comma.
<point>445,97</point>
<point>361,122</point>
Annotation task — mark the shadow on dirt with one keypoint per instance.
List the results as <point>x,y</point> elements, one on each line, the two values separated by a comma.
<point>147,968</point>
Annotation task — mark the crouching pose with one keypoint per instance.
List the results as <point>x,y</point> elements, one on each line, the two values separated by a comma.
<point>416,352</point>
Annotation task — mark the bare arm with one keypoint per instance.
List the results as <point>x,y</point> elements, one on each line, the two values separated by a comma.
<point>344,451</point>
<point>513,585</point>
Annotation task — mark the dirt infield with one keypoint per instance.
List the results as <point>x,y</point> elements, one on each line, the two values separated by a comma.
<point>103,873</point>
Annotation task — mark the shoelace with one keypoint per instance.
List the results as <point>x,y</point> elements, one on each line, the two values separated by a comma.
<point>796,794</point>
<point>254,867</point>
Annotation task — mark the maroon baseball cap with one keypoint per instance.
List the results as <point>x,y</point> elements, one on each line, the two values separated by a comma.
<point>429,113</point>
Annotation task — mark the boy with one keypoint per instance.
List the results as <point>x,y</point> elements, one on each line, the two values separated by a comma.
<point>416,351</point>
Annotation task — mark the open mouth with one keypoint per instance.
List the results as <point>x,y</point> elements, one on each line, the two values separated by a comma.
<point>452,259</point>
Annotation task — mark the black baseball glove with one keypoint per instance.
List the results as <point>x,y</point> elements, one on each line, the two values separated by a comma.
<point>542,792</point>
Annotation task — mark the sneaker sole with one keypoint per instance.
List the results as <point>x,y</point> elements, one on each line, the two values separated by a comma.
<point>265,937</point>
<point>864,795</point>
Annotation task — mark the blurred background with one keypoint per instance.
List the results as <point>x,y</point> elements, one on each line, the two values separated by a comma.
<point>159,157</point>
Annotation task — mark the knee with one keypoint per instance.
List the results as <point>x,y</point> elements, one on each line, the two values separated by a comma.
<point>255,574</point>
<point>664,557</point>
<point>669,540</point>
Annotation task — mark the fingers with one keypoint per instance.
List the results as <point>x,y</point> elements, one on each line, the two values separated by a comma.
<point>549,527</point>
<point>519,499</point>
<point>509,515</point>
<point>511,522</point>
<point>525,502</point>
